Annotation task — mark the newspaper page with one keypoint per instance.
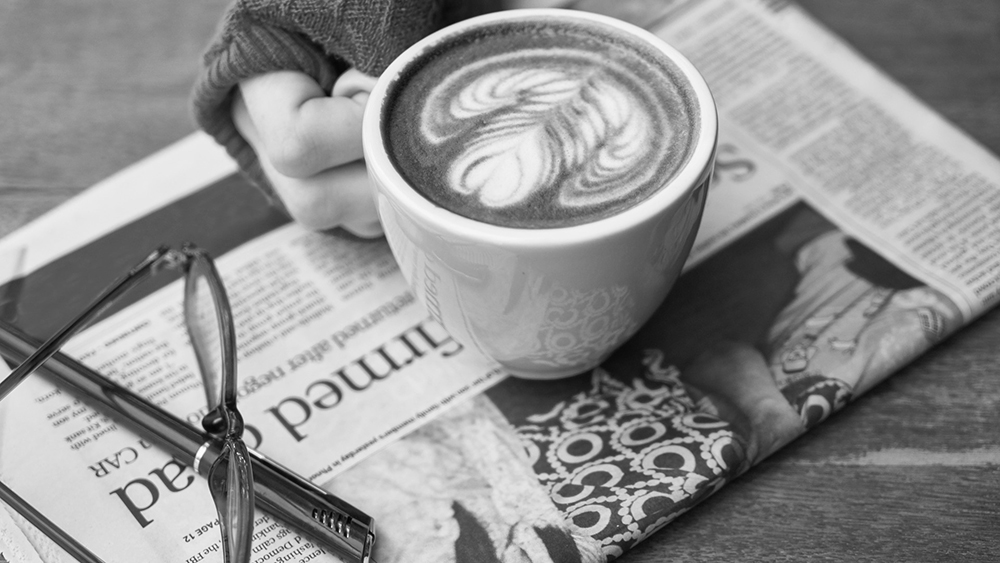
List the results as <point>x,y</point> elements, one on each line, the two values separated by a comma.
<point>848,230</point>
<point>875,160</point>
<point>798,105</point>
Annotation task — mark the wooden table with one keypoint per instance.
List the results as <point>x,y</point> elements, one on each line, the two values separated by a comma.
<point>909,472</point>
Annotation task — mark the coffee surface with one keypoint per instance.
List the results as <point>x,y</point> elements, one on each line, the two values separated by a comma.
<point>540,123</point>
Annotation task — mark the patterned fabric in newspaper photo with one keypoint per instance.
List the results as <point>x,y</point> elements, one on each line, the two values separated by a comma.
<point>752,348</point>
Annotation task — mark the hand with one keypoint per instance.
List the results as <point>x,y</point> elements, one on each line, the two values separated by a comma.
<point>309,146</point>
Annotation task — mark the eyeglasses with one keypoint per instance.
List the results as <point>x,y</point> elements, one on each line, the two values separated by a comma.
<point>209,322</point>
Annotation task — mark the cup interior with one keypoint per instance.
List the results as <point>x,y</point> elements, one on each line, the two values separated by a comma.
<point>398,189</point>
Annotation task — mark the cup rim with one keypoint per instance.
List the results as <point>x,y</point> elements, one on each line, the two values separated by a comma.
<point>687,178</point>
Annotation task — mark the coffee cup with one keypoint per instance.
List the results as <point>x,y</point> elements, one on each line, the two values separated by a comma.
<point>540,175</point>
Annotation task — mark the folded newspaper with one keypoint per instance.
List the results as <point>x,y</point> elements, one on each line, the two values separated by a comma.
<point>849,229</point>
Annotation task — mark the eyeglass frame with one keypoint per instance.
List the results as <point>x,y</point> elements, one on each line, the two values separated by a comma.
<point>330,513</point>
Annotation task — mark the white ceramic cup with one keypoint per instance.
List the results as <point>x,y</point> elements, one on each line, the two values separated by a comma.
<point>551,302</point>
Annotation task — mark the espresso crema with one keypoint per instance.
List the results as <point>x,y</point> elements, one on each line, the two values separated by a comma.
<point>540,123</point>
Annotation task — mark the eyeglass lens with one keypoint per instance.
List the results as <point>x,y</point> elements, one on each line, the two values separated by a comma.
<point>202,316</point>
<point>230,474</point>
<point>209,321</point>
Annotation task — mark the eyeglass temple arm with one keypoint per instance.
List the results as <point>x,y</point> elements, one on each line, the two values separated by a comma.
<point>141,271</point>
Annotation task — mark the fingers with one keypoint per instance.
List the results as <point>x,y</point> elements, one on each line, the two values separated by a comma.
<point>319,193</point>
<point>301,130</point>
<point>337,197</point>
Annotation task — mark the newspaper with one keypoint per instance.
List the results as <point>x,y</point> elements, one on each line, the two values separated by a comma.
<point>848,230</point>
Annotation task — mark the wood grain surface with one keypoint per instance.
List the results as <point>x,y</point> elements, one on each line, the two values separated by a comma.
<point>910,472</point>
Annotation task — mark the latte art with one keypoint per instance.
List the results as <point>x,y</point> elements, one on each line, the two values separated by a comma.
<point>545,125</point>
<point>529,125</point>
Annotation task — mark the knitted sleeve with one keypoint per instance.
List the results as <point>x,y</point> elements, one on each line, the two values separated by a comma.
<point>318,37</point>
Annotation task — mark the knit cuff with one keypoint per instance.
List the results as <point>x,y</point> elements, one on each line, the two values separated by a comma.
<point>247,48</point>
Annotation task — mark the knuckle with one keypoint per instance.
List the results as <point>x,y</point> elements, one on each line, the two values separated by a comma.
<point>314,222</point>
<point>312,217</point>
<point>308,207</point>
<point>291,155</point>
